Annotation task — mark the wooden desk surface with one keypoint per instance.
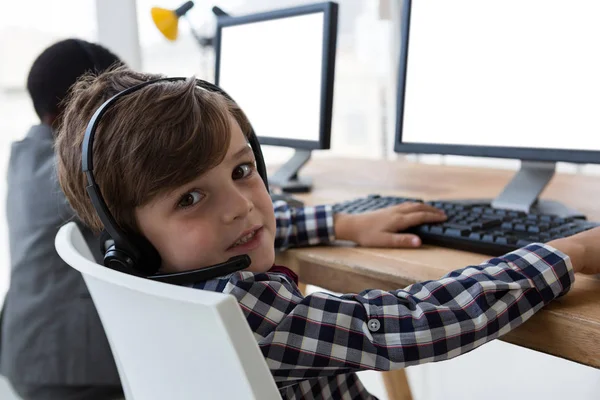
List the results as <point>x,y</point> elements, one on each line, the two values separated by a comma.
<point>567,328</point>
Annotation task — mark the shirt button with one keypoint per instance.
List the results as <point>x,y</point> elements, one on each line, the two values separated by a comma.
<point>374,325</point>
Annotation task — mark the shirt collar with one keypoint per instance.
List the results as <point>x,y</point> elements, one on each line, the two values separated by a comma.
<point>285,271</point>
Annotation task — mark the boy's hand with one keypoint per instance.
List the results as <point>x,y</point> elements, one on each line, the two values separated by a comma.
<point>380,228</point>
<point>583,249</point>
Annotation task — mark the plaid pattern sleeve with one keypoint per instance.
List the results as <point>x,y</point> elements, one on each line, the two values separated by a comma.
<point>304,226</point>
<point>315,344</point>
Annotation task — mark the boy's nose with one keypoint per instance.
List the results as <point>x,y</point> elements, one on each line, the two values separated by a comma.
<point>237,205</point>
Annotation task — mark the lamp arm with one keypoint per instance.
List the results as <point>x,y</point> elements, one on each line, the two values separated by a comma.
<point>203,41</point>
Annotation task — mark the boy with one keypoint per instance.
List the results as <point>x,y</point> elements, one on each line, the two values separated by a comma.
<point>192,190</point>
<point>49,350</point>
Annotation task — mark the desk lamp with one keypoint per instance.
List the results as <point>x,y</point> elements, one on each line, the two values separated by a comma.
<point>167,22</point>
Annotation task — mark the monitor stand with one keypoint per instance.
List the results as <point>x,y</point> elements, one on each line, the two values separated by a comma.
<point>286,178</point>
<point>521,193</point>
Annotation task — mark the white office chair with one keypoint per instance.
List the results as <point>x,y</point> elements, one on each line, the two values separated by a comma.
<point>171,342</point>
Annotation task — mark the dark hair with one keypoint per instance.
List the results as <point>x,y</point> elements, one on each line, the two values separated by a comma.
<point>151,141</point>
<point>58,67</point>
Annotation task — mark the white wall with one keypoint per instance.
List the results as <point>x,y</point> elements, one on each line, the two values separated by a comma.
<point>26,29</point>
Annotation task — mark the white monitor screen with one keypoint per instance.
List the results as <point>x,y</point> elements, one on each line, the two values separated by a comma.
<point>516,73</point>
<point>272,69</point>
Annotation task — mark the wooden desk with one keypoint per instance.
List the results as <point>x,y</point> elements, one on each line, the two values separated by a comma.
<point>567,328</point>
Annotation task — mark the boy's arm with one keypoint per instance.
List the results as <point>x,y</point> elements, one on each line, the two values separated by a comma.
<point>302,226</point>
<point>381,228</point>
<point>323,334</point>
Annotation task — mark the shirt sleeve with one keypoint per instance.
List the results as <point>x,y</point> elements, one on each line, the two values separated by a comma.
<point>303,226</point>
<point>323,334</point>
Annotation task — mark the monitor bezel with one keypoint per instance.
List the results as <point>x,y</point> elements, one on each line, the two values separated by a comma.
<point>522,153</point>
<point>330,17</point>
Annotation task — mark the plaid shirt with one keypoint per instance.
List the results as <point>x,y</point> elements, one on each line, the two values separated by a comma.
<point>314,344</point>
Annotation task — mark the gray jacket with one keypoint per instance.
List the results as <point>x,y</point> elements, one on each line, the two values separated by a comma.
<point>51,332</point>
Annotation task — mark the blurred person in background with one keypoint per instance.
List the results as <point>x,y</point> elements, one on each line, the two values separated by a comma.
<point>53,345</point>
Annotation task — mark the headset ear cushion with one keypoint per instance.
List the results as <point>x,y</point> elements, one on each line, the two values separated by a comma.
<point>119,259</point>
<point>150,261</point>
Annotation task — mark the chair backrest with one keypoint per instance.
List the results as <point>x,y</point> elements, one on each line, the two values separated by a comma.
<point>171,342</point>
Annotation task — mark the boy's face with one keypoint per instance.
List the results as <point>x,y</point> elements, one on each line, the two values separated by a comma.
<point>224,213</point>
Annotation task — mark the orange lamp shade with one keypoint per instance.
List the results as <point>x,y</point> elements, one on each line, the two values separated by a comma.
<point>166,21</point>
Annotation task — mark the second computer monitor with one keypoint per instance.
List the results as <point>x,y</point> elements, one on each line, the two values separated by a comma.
<point>512,79</point>
<point>279,67</point>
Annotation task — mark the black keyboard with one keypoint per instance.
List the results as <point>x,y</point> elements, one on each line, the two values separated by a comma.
<point>478,227</point>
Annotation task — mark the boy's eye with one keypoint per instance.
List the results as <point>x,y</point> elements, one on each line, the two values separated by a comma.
<point>189,199</point>
<point>242,171</point>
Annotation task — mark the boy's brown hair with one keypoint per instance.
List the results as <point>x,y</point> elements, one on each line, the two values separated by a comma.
<point>148,143</point>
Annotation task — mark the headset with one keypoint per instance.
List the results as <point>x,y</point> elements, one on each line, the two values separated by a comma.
<point>131,253</point>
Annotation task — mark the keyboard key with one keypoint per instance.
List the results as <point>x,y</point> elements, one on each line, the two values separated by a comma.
<point>488,238</point>
<point>507,226</point>
<point>543,227</point>
<point>490,223</point>
<point>438,230</point>
<point>424,228</point>
<point>520,228</point>
<point>511,239</point>
<point>501,240</point>
<point>458,226</point>
<point>456,232</point>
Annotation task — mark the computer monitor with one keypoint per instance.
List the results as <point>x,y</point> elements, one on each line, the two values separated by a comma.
<point>511,79</point>
<point>279,67</point>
